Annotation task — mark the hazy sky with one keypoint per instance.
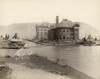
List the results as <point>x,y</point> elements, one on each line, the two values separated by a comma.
<point>20,11</point>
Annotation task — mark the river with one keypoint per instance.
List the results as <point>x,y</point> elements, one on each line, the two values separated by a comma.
<point>83,58</point>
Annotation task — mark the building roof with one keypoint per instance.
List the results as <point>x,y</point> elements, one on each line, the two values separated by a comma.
<point>41,26</point>
<point>65,23</point>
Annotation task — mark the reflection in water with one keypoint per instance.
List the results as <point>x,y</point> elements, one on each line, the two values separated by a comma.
<point>82,58</point>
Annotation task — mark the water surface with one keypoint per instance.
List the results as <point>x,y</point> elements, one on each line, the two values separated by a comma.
<point>82,58</point>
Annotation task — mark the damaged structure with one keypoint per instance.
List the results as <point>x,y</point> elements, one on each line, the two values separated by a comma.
<point>64,32</point>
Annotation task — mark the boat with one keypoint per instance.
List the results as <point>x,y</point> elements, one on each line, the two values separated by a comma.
<point>14,43</point>
<point>89,41</point>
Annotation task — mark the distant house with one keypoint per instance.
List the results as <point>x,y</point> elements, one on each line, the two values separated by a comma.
<point>42,32</point>
<point>65,31</point>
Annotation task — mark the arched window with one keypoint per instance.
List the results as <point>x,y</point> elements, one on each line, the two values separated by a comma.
<point>63,36</point>
<point>63,30</point>
<point>67,37</point>
<point>60,37</point>
<point>67,30</point>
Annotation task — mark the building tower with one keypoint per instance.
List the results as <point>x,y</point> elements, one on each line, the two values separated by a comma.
<point>57,20</point>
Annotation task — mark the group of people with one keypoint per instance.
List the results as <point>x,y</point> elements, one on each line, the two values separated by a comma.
<point>89,38</point>
<point>6,37</point>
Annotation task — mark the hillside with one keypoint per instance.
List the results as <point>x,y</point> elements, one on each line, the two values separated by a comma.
<point>24,30</point>
<point>86,30</point>
<point>27,30</point>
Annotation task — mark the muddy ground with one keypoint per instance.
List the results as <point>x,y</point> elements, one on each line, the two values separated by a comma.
<point>37,62</point>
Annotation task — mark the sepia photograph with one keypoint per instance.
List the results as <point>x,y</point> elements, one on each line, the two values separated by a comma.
<point>49,39</point>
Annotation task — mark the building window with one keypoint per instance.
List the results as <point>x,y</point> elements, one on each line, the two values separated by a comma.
<point>63,30</point>
<point>67,37</point>
<point>60,37</point>
<point>41,29</point>
<point>44,29</point>
<point>45,34</point>
<point>57,37</point>
<point>41,33</point>
<point>71,33</point>
<point>67,30</point>
<point>71,37</point>
<point>59,30</point>
<point>71,30</point>
<point>37,33</point>
<point>37,29</point>
<point>63,36</point>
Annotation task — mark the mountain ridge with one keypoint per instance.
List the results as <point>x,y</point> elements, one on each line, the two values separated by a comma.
<point>27,30</point>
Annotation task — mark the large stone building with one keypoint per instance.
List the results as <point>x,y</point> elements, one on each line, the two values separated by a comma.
<point>65,31</point>
<point>42,32</point>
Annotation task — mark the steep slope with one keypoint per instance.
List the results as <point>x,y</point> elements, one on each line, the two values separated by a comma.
<point>86,30</point>
<point>24,30</point>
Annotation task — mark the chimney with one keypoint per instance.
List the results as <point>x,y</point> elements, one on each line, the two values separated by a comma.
<point>57,20</point>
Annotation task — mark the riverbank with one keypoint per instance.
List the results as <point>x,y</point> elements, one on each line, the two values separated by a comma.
<point>49,43</point>
<point>70,55</point>
<point>37,62</point>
